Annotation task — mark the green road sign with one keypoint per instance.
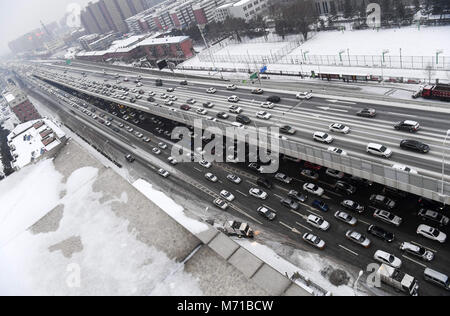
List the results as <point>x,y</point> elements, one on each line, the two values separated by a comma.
<point>254,76</point>
<point>68,62</point>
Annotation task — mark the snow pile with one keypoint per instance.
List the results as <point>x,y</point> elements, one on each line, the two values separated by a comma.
<point>81,247</point>
<point>169,206</point>
<point>304,263</point>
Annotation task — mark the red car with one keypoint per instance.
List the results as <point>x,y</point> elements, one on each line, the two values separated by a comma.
<point>185,107</point>
<point>312,166</point>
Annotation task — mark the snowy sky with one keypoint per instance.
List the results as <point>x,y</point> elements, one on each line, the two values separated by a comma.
<point>21,16</point>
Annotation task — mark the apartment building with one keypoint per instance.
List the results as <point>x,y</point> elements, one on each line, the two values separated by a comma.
<point>243,9</point>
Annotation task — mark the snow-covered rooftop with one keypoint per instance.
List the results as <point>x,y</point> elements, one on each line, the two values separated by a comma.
<point>164,40</point>
<point>30,140</point>
<point>9,97</point>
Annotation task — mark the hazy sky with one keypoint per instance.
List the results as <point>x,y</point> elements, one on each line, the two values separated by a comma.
<point>18,17</point>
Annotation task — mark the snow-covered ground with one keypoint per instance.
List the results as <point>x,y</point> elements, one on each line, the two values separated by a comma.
<point>412,41</point>
<point>90,251</point>
<point>361,54</point>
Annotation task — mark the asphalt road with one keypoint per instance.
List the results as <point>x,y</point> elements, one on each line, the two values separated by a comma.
<point>288,223</point>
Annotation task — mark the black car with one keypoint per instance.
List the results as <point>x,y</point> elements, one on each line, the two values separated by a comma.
<point>367,112</point>
<point>151,99</point>
<point>274,99</point>
<point>222,115</point>
<point>414,145</point>
<point>130,158</point>
<point>353,206</point>
<point>115,129</point>
<point>263,182</point>
<point>432,204</point>
<point>410,126</point>
<point>243,119</point>
<point>184,83</point>
<point>287,130</point>
<point>345,188</point>
<point>381,233</point>
<point>158,82</point>
<point>290,203</point>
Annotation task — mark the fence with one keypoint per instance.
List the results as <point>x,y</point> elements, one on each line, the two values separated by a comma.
<point>372,61</point>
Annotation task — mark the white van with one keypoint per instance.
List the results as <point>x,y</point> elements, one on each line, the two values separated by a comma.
<point>379,150</point>
<point>437,278</point>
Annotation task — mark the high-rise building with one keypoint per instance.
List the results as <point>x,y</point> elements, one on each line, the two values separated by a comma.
<point>110,15</point>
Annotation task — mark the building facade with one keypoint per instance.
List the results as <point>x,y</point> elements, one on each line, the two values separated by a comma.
<point>20,105</point>
<point>243,9</point>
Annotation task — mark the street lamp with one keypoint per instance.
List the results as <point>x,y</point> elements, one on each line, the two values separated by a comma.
<point>386,51</point>
<point>355,287</point>
<point>444,151</point>
<point>201,28</point>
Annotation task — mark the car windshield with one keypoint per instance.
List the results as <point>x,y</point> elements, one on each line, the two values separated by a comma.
<point>383,149</point>
<point>391,259</point>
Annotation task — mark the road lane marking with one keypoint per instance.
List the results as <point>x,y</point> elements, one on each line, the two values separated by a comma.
<point>198,169</point>
<point>292,229</point>
<point>280,197</point>
<point>368,224</point>
<point>346,249</point>
<point>307,228</point>
<point>241,193</point>
<point>419,263</point>
<point>435,251</point>
<point>252,183</point>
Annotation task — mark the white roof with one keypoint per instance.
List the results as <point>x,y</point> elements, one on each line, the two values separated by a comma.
<point>32,147</point>
<point>165,40</point>
<point>9,97</point>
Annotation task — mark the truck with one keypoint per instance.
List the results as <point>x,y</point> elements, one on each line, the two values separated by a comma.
<point>399,280</point>
<point>237,229</point>
<point>439,91</point>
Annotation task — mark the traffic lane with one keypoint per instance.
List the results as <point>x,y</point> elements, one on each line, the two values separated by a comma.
<point>401,112</point>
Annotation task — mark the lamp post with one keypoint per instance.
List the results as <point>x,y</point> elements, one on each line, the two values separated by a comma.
<point>355,287</point>
<point>201,27</point>
<point>386,51</point>
<point>444,151</point>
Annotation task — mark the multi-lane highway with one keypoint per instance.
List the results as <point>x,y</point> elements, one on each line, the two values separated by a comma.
<point>289,223</point>
<point>314,115</point>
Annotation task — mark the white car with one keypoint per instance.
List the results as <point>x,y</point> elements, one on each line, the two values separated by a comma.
<point>211,90</point>
<point>211,177</point>
<point>379,150</point>
<point>232,87</point>
<point>314,241</point>
<point>431,233</point>
<point>156,151</point>
<point>358,238</point>
<point>267,105</point>
<point>202,111</point>
<point>323,137</point>
<point>263,115</point>
<point>283,178</point>
<point>258,193</point>
<point>318,222</point>
<point>168,103</point>
<point>387,217</point>
<point>304,95</point>
<point>205,164</point>
<point>337,151</point>
<point>339,128</point>
<point>404,168</point>
<point>346,218</point>
<point>234,179</point>
<point>227,196</point>
<point>335,173</point>
<point>233,98</point>
<point>163,173</point>
<point>313,189</point>
<point>172,160</point>
<point>162,146</point>
<point>220,204</point>
<point>235,109</point>
<point>387,258</point>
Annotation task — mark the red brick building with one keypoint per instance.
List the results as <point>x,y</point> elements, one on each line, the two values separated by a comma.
<point>21,106</point>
